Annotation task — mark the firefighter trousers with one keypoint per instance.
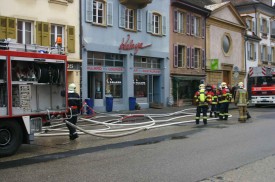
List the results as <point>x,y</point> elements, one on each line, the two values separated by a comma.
<point>224,111</point>
<point>201,109</point>
<point>242,113</point>
<point>72,120</point>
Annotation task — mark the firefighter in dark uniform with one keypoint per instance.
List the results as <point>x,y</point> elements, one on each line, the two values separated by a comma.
<point>225,97</point>
<point>214,101</point>
<point>74,102</point>
<point>202,100</point>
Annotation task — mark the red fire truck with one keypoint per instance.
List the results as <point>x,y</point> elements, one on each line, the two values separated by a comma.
<point>262,83</point>
<point>33,89</point>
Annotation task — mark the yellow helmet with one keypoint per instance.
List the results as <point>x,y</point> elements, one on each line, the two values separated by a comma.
<point>202,86</point>
<point>71,88</point>
<point>240,84</point>
<point>223,85</point>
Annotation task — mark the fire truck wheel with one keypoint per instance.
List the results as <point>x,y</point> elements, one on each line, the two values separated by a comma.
<point>10,137</point>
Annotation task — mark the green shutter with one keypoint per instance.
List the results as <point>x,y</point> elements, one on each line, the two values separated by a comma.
<point>71,39</point>
<point>3,27</point>
<point>39,33</point>
<point>11,28</point>
<point>45,34</point>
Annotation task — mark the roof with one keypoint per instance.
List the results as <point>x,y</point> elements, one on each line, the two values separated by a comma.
<point>200,3</point>
<point>216,6</point>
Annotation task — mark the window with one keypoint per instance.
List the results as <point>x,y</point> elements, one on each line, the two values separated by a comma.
<point>264,27</point>
<point>129,19</point>
<point>146,62</point>
<point>179,21</point>
<point>226,44</point>
<point>156,23</point>
<point>251,51</point>
<point>264,56</point>
<point>57,31</point>
<point>195,29</point>
<point>249,24</point>
<point>273,54</point>
<point>102,59</point>
<point>98,13</point>
<point>197,57</point>
<point>24,32</point>
<point>140,86</point>
<point>179,56</point>
<point>114,84</point>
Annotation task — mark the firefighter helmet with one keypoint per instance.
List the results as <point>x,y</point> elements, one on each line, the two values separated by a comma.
<point>202,86</point>
<point>240,84</point>
<point>208,87</point>
<point>223,85</point>
<point>71,88</point>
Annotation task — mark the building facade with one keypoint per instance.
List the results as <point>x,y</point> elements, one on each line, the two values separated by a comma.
<point>187,50</point>
<point>125,48</point>
<point>52,23</point>
<point>225,45</point>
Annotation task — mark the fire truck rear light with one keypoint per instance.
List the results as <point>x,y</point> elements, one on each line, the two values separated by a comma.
<point>36,125</point>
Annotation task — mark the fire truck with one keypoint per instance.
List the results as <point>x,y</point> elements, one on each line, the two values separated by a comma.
<point>33,90</point>
<point>261,82</point>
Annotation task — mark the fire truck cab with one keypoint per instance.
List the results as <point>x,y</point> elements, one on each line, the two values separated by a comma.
<point>33,87</point>
<point>262,83</point>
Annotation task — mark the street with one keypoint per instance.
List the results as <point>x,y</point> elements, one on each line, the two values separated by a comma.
<point>182,152</point>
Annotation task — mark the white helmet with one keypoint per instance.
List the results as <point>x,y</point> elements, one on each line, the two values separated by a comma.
<point>71,88</point>
<point>223,85</point>
<point>240,85</point>
<point>202,86</point>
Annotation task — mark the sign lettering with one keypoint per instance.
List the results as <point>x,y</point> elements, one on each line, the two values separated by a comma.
<point>129,44</point>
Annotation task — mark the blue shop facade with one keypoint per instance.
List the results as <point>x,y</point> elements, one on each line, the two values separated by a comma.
<point>125,53</point>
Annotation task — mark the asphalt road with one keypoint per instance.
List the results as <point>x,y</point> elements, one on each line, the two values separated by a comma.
<point>220,151</point>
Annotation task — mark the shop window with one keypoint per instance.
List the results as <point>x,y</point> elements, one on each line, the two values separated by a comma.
<point>156,23</point>
<point>140,86</point>
<point>105,59</point>
<point>99,12</point>
<point>24,32</point>
<point>98,85</point>
<point>113,85</point>
<point>57,31</point>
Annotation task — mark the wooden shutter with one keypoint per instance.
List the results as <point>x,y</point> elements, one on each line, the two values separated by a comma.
<point>176,59</point>
<point>71,39</point>
<point>39,33</point>
<point>202,27</point>
<point>110,13</point>
<point>188,57</point>
<point>89,11</point>
<point>192,57</point>
<point>11,28</point>
<point>139,19</point>
<point>164,25</point>
<point>149,22</point>
<point>3,27</point>
<point>176,21</point>
<point>45,34</point>
<point>188,23</point>
<point>121,12</point>
<point>203,59</point>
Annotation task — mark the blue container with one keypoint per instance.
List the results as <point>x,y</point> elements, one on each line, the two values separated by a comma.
<point>90,103</point>
<point>109,104</point>
<point>132,103</point>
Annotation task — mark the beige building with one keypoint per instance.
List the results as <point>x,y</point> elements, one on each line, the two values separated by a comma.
<point>224,45</point>
<point>43,23</point>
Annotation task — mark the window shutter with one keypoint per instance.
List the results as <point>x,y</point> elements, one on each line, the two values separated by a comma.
<point>203,59</point>
<point>11,28</point>
<point>176,61</point>
<point>262,54</point>
<point>253,27</point>
<point>39,33</point>
<point>248,50</point>
<point>188,57</point>
<point>139,19</point>
<point>192,25</point>
<point>121,11</point>
<point>267,27</point>
<point>188,23</point>
<point>261,25</point>
<point>3,27</point>
<point>176,21</point>
<point>163,25</point>
<point>192,57</point>
<point>255,53</point>
<point>110,13</point>
<point>202,27</point>
<point>269,53</point>
<point>149,22</point>
<point>71,39</point>
<point>45,34</point>
<point>89,11</point>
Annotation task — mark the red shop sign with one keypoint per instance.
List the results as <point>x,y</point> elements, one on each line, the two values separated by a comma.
<point>130,45</point>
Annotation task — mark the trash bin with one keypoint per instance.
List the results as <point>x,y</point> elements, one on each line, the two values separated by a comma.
<point>90,103</point>
<point>109,104</point>
<point>132,103</point>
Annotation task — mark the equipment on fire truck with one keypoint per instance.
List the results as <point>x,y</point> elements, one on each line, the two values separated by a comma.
<point>31,82</point>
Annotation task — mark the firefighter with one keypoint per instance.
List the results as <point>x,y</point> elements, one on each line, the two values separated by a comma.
<point>74,102</point>
<point>218,107</point>
<point>214,102</point>
<point>241,100</point>
<point>225,99</point>
<point>202,100</point>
